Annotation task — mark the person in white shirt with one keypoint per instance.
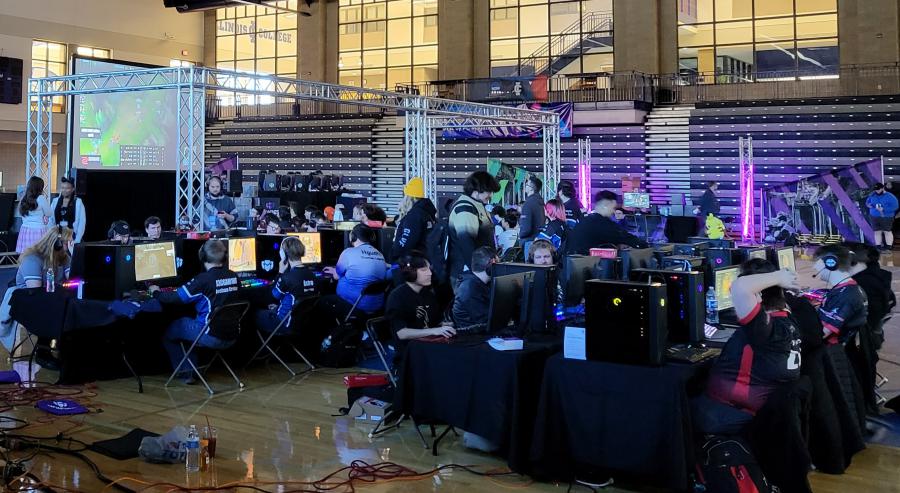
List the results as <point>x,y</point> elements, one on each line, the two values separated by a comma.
<point>68,210</point>
<point>510,235</point>
<point>35,211</point>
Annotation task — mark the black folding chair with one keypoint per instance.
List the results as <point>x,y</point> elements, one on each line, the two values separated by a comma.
<point>372,329</point>
<point>374,288</point>
<point>304,307</point>
<point>224,323</point>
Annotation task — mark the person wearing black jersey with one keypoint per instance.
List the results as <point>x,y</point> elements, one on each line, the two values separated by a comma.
<point>295,282</point>
<point>844,310</point>
<point>566,193</point>
<point>211,289</point>
<point>599,229</point>
<point>761,356</point>
<point>412,307</point>
<point>472,301</point>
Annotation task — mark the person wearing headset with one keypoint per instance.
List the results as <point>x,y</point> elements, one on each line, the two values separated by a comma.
<point>52,252</point>
<point>295,283</point>
<point>216,286</point>
<point>542,253</point>
<point>119,233</point>
<point>220,209</point>
<point>412,307</point>
<point>761,356</point>
<point>68,210</point>
<point>472,300</point>
<point>356,268</point>
<point>844,310</point>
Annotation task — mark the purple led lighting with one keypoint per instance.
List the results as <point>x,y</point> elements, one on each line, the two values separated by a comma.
<point>584,185</point>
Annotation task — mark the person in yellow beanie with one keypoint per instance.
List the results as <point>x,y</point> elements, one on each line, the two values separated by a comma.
<point>417,215</point>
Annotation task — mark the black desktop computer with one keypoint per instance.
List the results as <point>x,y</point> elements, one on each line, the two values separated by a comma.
<point>577,270</point>
<point>713,243</point>
<point>268,256</point>
<point>384,240</point>
<point>685,294</point>
<point>625,322</point>
<point>106,269</point>
<point>543,300</point>
<point>510,299</point>
<point>684,263</point>
<point>636,258</point>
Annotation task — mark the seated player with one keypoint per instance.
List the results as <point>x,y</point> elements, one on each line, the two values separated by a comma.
<point>542,253</point>
<point>52,251</point>
<point>762,355</point>
<point>844,310</point>
<point>412,307</point>
<point>216,286</point>
<point>357,267</point>
<point>153,228</point>
<point>295,282</point>
<point>510,235</point>
<point>876,283</point>
<point>472,300</point>
<point>273,224</point>
<point>316,220</point>
<point>119,232</point>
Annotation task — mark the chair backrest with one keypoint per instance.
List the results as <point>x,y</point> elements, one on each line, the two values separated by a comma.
<point>377,287</point>
<point>303,307</point>
<point>225,321</point>
<point>380,328</point>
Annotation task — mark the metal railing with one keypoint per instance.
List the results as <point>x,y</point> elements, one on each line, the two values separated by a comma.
<point>216,109</point>
<point>567,40</point>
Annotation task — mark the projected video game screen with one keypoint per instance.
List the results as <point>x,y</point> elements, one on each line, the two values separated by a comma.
<point>121,131</point>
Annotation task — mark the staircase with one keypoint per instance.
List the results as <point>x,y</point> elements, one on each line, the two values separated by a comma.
<point>387,163</point>
<point>212,143</point>
<point>668,154</point>
<point>569,45</point>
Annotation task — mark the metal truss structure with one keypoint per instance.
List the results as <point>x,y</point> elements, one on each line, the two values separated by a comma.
<point>424,115</point>
<point>746,172</point>
<point>584,172</point>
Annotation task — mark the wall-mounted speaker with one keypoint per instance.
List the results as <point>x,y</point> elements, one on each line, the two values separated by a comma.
<point>10,80</point>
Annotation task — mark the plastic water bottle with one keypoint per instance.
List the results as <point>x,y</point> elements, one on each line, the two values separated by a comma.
<point>50,280</point>
<point>192,446</point>
<point>712,306</point>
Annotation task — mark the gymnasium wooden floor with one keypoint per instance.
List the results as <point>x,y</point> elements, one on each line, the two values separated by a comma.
<point>281,429</point>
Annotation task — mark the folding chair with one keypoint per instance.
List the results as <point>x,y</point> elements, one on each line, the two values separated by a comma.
<point>374,288</point>
<point>224,323</point>
<point>304,307</point>
<point>372,326</point>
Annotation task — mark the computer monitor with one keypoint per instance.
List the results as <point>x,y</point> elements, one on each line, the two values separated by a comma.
<point>312,244</point>
<point>758,253</point>
<point>242,255</point>
<point>345,225</point>
<point>543,295</point>
<point>509,301</point>
<point>333,243</point>
<point>154,261</point>
<point>724,279</point>
<point>786,258</point>
<point>577,270</point>
<point>636,200</point>
<point>637,258</point>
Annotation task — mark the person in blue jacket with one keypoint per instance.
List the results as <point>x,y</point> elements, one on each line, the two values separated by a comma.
<point>882,209</point>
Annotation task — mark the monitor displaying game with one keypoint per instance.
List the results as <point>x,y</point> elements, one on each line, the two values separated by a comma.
<point>786,259</point>
<point>242,254</point>
<point>345,225</point>
<point>312,243</point>
<point>760,254</point>
<point>123,130</point>
<point>724,279</point>
<point>154,261</point>
<point>635,200</point>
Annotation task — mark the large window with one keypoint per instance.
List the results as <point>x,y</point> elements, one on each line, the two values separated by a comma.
<point>92,52</point>
<point>546,37</point>
<point>258,40</point>
<point>48,59</point>
<point>383,43</point>
<point>738,40</point>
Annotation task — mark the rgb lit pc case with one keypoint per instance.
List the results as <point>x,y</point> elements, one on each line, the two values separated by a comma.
<point>625,322</point>
<point>685,297</point>
<point>107,270</point>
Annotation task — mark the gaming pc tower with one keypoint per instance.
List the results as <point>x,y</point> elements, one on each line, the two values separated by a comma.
<point>106,269</point>
<point>685,292</point>
<point>625,322</point>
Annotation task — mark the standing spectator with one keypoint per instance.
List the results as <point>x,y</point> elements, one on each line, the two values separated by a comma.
<point>709,204</point>
<point>556,229</point>
<point>417,216</point>
<point>220,209</point>
<point>566,192</point>
<point>68,210</point>
<point>470,225</point>
<point>35,211</point>
<point>599,229</point>
<point>532,219</point>
<point>882,209</point>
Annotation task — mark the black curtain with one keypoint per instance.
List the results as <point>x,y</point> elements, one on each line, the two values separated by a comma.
<point>128,195</point>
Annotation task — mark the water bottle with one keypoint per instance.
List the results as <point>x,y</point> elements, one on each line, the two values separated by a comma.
<point>192,446</point>
<point>50,280</point>
<point>712,306</point>
<point>326,343</point>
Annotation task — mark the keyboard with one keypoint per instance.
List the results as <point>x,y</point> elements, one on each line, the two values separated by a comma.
<point>255,283</point>
<point>691,354</point>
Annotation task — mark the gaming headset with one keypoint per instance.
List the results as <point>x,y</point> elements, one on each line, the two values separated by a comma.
<point>830,261</point>
<point>112,229</point>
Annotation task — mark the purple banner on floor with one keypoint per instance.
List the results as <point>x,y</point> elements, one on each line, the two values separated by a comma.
<point>564,110</point>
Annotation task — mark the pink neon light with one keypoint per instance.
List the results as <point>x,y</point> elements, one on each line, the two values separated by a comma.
<point>584,185</point>
<point>747,172</point>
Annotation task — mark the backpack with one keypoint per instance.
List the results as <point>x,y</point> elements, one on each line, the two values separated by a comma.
<point>437,246</point>
<point>726,465</point>
<point>341,348</point>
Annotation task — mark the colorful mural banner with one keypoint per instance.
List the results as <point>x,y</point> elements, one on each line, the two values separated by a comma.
<point>564,110</point>
<point>825,204</point>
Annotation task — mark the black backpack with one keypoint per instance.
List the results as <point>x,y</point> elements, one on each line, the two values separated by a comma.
<point>341,348</point>
<point>437,245</point>
<point>726,465</point>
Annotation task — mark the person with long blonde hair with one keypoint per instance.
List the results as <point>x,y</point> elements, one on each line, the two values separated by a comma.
<point>417,216</point>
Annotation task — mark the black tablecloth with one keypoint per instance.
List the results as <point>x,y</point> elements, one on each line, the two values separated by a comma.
<point>633,420</point>
<point>51,314</point>
<point>475,388</point>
